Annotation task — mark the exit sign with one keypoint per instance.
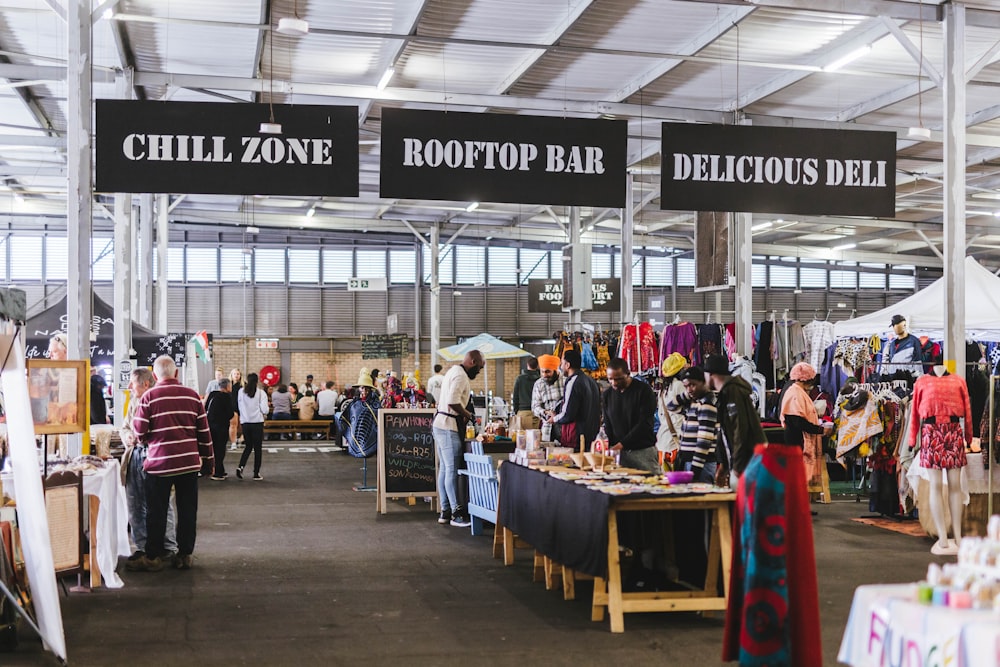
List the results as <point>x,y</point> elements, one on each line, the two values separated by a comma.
<point>366,285</point>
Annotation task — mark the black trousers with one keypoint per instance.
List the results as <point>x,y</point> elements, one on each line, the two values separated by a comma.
<point>253,436</point>
<point>220,436</point>
<point>158,499</point>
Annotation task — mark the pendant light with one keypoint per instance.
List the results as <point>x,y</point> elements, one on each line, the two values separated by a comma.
<point>293,26</point>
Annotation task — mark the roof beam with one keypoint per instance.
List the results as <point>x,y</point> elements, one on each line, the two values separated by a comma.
<point>918,56</point>
<point>58,8</point>
<point>414,22</point>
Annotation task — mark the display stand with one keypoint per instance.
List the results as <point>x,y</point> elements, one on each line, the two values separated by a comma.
<point>407,456</point>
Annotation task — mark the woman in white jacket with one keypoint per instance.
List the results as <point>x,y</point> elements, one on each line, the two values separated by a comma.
<point>252,401</point>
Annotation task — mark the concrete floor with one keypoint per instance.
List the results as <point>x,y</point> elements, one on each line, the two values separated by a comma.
<point>300,570</point>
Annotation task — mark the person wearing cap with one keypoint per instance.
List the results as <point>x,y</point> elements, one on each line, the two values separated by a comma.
<point>449,433</point>
<point>523,388</point>
<point>668,437</point>
<point>902,352</point>
<point>359,418</point>
<point>580,413</point>
<point>547,394</point>
<point>739,423</point>
<point>629,407</point>
<point>801,422</point>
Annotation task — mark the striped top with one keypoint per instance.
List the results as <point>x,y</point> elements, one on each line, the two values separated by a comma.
<point>170,420</point>
<point>698,431</point>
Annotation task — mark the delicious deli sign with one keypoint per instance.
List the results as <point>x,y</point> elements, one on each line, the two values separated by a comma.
<point>218,148</point>
<point>778,170</point>
<point>474,157</point>
<point>546,296</point>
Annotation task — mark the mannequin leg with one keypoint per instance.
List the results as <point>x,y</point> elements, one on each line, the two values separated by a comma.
<point>955,503</point>
<point>937,512</point>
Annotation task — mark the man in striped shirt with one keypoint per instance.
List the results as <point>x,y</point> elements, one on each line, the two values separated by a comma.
<point>701,419</point>
<point>170,419</point>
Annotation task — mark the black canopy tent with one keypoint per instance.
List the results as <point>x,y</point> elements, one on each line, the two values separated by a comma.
<point>147,343</point>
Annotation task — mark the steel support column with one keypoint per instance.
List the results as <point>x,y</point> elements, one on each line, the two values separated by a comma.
<point>743,263</point>
<point>628,308</point>
<point>435,297</point>
<point>162,245</point>
<point>954,186</point>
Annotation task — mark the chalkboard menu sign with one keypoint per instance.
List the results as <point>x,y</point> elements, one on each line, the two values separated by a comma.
<point>406,455</point>
<point>384,346</point>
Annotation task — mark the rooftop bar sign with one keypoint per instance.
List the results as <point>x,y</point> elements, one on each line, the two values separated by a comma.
<point>778,170</point>
<point>218,148</point>
<point>475,157</point>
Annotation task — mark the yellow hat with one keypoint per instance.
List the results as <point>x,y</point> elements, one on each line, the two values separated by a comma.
<point>673,364</point>
<point>365,379</point>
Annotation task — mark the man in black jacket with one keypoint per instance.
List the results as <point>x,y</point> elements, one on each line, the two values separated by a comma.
<point>523,385</point>
<point>629,406</point>
<point>580,413</point>
<point>738,420</point>
<point>219,410</point>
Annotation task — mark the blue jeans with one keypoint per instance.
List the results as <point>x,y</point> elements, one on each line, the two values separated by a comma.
<point>135,494</point>
<point>707,473</point>
<point>449,448</point>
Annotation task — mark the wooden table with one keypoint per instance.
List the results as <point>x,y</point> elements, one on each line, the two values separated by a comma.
<point>542,510</point>
<point>608,591</point>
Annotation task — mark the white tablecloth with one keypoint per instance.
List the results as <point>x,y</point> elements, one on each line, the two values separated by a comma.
<point>112,517</point>
<point>887,628</point>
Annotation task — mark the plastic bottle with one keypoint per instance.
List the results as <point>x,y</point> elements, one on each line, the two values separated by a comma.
<point>600,444</point>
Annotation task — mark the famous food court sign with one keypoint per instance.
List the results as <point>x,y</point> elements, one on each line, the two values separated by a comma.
<point>546,295</point>
<point>778,170</point>
<point>220,148</point>
<point>474,157</point>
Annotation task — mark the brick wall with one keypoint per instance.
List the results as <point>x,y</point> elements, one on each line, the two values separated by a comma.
<point>342,368</point>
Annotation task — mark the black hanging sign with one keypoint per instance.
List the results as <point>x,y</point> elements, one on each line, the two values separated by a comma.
<point>384,346</point>
<point>475,157</point>
<point>546,296</point>
<point>778,170</point>
<point>218,148</point>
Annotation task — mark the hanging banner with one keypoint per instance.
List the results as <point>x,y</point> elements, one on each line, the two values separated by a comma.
<point>476,157</point>
<point>778,170</point>
<point>546,296</point>
<point>218,148</point>
<point>711,250</point>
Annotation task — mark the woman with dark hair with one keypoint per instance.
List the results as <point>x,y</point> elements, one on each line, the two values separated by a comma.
<point>253,410</point>
<point>235,383</point>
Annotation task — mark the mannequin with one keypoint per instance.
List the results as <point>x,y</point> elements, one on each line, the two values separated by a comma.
<point>942,412</point>
<point>903,353</point>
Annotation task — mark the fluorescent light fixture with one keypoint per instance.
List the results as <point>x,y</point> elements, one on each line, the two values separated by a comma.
<point>996,214</point>
<point>386,77</point>
<point>489,238</point>
<point>850,57</point>
<point>919,133</point>
<point>761,226</point>
<point>253,230</point>
<point>846,246</point>
<point>640,228</point>
<point>778,221</point>
<point>270,128</point>
<point>590,228</point>
<point>472,207</point>
<point>841,305</point>
<point>311,212</point>
<point>293,26</point>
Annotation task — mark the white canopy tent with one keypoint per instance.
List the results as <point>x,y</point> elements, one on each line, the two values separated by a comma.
<point>924,311</point>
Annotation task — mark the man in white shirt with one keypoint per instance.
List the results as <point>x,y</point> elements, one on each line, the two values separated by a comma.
<point>326,405</point>
<point>434,383</point>
<point>449,434</point>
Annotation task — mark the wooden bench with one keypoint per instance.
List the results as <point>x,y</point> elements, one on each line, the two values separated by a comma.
<point>483,490</point>
<point>293,426</point>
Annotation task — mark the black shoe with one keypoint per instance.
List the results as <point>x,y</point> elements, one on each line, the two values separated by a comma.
<point>444,517</point>
<point>183,562</point>
<point>460,519</point>
<point>220,478</point>
<point>239,472</point>
<point>258,477</point>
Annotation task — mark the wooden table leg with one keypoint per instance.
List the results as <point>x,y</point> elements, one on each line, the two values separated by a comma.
<point>538,568</point>
<point>599,601</point>
<point>615,609</point>
<point>95,569</point>
<point>726,547</point>
<point>569,583</point>
<point>714,562</point>
<point>498,532</point>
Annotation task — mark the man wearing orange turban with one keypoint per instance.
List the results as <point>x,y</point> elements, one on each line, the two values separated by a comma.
<point>547,393</point>
<point>548,362</point>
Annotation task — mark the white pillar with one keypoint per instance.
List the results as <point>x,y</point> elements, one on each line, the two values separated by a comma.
<point>576,316</point>
<point>417,284</point>
<point>435,297</point>
<point>79,216</point>
<point>162,243</point>
<point>123,303</point>
<point>628,309</point>
<point>146,261</point>
<point>743,263</point>
<point>954,194</point>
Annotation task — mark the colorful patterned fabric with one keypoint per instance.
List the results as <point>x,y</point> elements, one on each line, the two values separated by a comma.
<point>854,427</point>
<point>773,613</point>
<point>942,446</point>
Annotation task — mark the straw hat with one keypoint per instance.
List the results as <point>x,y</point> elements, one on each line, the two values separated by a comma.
<point>365,379</point>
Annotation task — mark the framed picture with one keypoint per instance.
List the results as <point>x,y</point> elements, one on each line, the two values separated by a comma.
<point>58,393</point>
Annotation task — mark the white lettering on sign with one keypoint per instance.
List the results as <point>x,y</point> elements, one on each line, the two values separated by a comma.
<point>761,169</point>
<point>503,156</point>
<point>256,150</point>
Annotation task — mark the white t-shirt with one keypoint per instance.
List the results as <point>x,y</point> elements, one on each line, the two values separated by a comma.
<point>456,389</point>
<point>434,386</point>
<point>326,403</point>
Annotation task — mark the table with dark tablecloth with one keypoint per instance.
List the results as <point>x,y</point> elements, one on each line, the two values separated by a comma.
<point>572,527</point>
